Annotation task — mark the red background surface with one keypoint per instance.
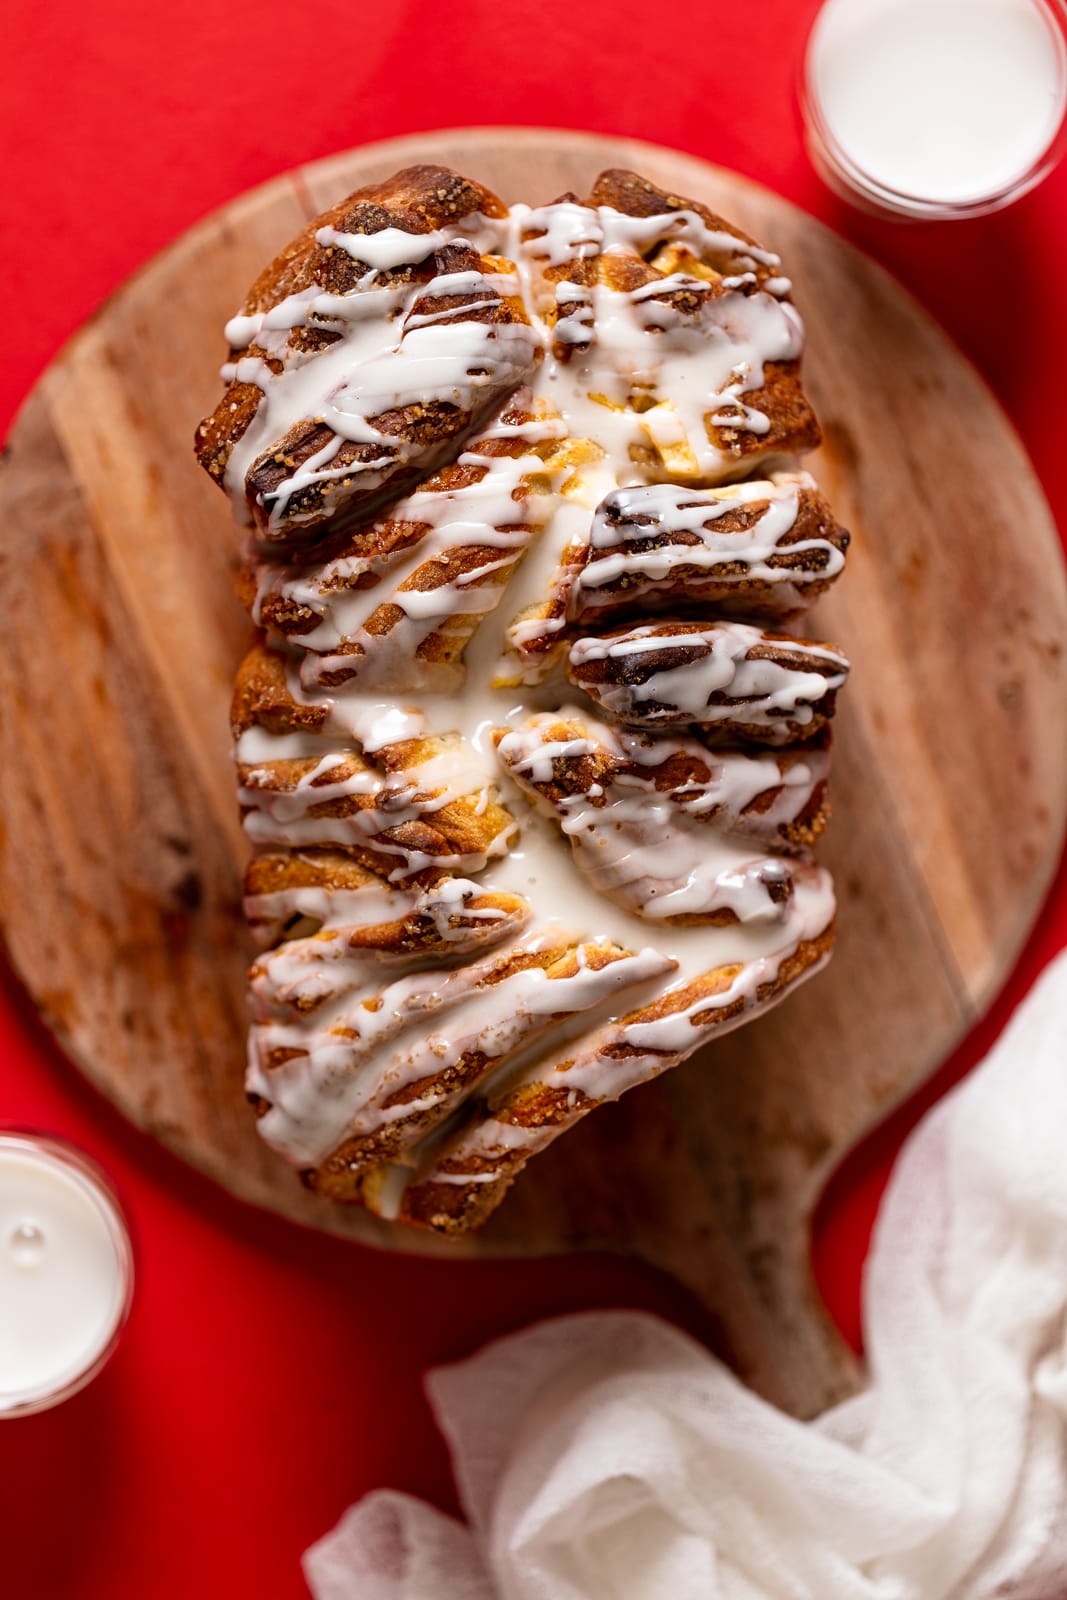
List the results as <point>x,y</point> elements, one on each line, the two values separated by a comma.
<point>270,1377</point>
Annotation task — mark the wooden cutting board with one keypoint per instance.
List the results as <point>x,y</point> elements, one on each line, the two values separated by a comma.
<point>120,850</point>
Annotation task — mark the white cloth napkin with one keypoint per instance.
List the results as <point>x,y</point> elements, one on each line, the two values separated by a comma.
<point>609,1457</point>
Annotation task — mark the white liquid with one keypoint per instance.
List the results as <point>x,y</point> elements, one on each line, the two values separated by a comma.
<point>64,1273</point>
<point>942,100</point>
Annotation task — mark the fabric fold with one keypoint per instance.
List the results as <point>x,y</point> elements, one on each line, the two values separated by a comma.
<point>608,1456</point>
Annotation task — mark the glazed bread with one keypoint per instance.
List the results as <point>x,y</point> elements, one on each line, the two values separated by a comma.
<point>531,770</point>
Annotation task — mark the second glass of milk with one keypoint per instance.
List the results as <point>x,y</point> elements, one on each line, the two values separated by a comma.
<point>66,1271</point>
<point>936,108</point>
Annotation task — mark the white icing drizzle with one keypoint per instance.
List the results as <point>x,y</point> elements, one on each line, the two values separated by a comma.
<point>679,364</point>
<point>337,1080</point>
<point>678,852</point>
<point>720,681</point>
<point>380,363</point>
<point>497,515</point>
<point>270,913</point>
<point>718,785</point>
<point>305,975</point>
<point>654,514</point>
<point>568,231</point>
<point>684,365</point>
<point>659,543</point>
<point>308,308</point>
<point>388,248</point>
<point>618,1056</point>
<point>618,389</point>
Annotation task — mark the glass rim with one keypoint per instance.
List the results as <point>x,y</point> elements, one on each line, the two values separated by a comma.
<point>100,1189</point>
<point>849,177</point>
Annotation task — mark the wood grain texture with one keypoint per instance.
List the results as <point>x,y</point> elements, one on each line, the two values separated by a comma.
<point>120,851</point>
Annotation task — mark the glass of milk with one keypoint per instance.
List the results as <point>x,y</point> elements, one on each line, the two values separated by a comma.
<point>936,108</point>
<point>66,1271</point>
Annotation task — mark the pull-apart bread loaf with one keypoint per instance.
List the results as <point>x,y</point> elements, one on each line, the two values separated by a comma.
<point>531,769</point>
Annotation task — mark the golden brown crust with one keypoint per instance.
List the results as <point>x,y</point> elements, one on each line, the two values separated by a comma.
<point>636,196</point>
<point>418,200</point>
<point>635,685</point>
<point>278,871</point>
<point>386,815</point>
<point>262,697</point>
<point>436,1095</point>
<point>423,432</point>
<point>805,548</point>
<point>371,551</point>
<point>378,963</point>
<point>794,428</point>
<point>604,759</point>
<point>549,1109</point>
<point>290,893</point>
<point>460,834</point>
<point>792,577</point>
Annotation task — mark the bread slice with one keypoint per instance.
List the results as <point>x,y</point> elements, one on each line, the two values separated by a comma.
<point>532,773</point>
